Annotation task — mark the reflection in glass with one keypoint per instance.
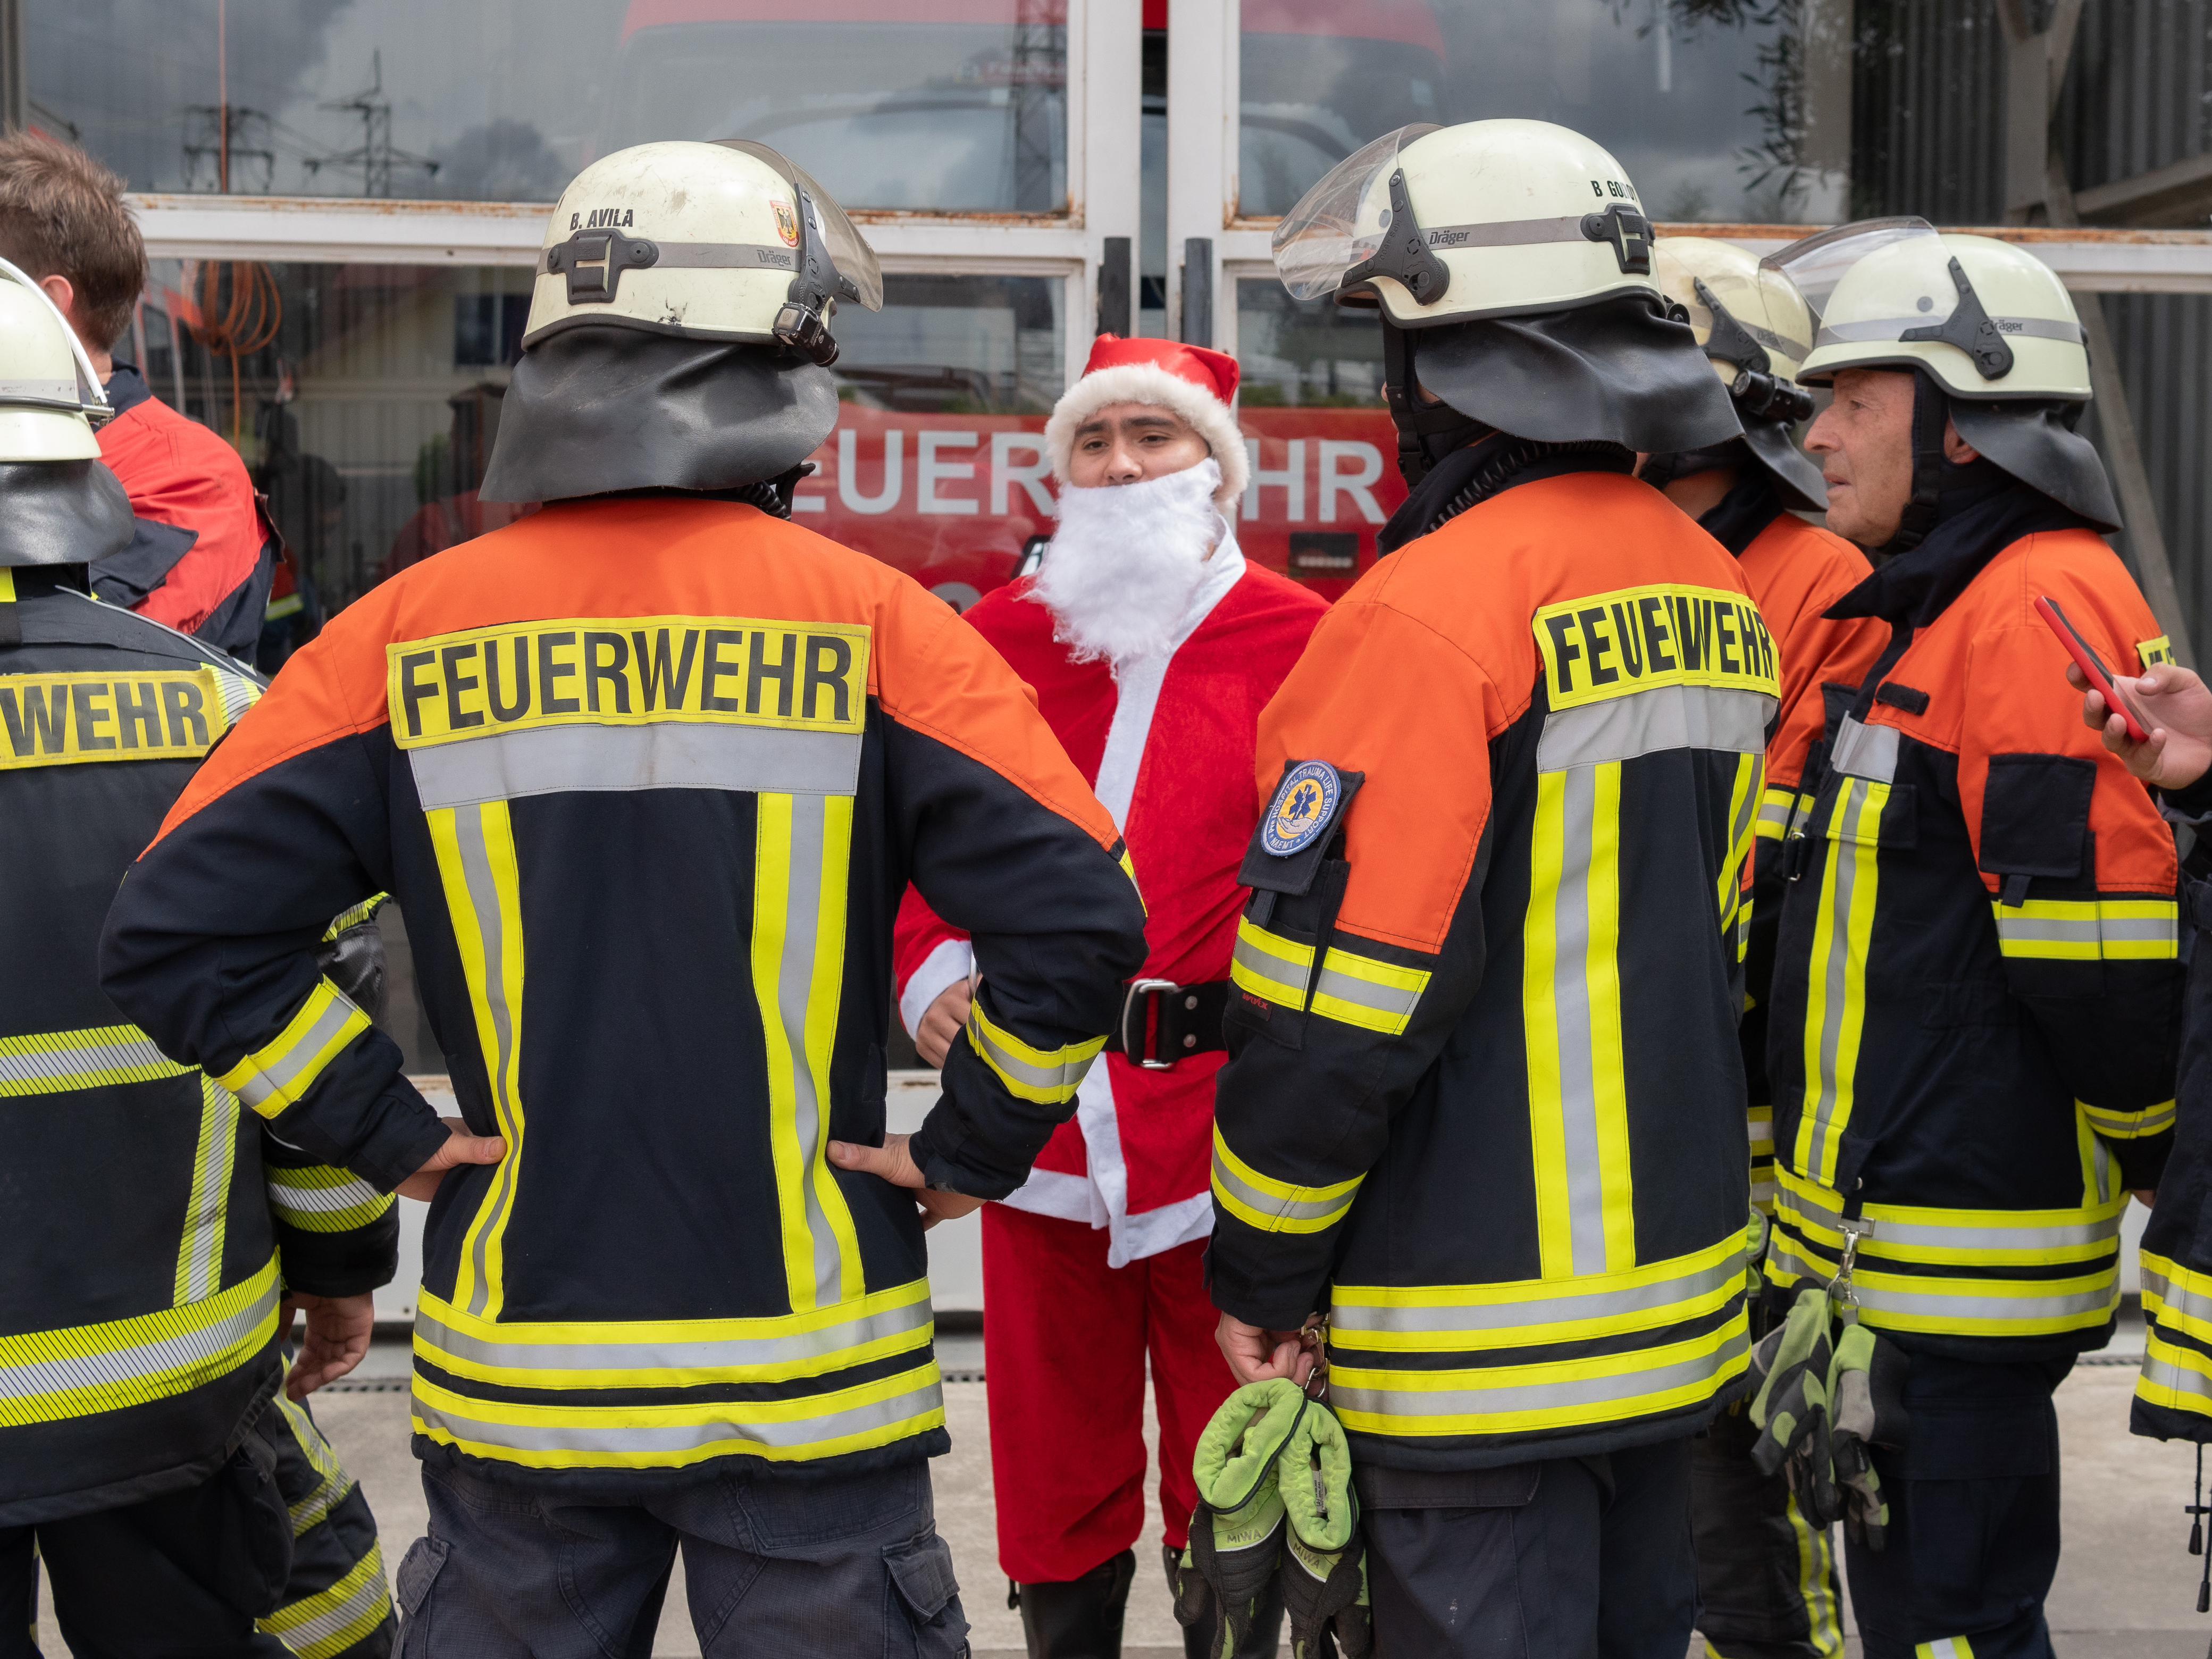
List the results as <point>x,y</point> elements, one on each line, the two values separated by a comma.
<point>1727,109</point>
<point>929,105</point>
<point>1309,353</point>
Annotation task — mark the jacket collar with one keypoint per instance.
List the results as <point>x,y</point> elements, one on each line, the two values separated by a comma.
<point>1979,512</point>
<point>127,389</point>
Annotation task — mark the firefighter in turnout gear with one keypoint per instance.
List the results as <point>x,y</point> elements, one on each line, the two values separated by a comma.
<point>161,1234</point>
<point>647,772</point>
<point>1766,1579</point>
<point>1484,1107</point>
<point>1976,987</point>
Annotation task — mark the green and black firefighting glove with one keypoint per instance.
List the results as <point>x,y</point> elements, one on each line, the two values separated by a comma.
<point>1790,1410</point>
<point>1236,1530</point>
<point>1866,1401</point>
<point>1324,1560</point>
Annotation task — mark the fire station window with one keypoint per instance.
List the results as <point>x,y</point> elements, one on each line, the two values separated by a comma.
<point>1719,111</point>
<point>929,105</point>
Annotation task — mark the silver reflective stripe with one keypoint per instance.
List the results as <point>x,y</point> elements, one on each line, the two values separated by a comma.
<point>1570,998</point>
<point>1270,1204</point>
<point>199,1268</point>
<point>362,1603</point>
<point>1989,1230</point>
<point>2179,1299</point>
<point>1775,812</point>
<point>1648,722</point>
<point>260,1084</point>
<point>124,1365</point>
<point>484,899</point>
<point>43,392</point>
<point>1287,977</point>
<point>289,1194</point>
<point>1390,999</point>
<point>622,1433</point>
<point>733,1355</point>
<point>237,693</point>
<point>1866,751</point>
<point>1508,232</point>
<point>1960,1309</point>
<point>2014,928</point>
<point>1062,1078</point>
<point>666,754</point>
<point>794,990</point>
<point>702,256</point>
<point>1563,1305</point>
<point>117,1054</point>
<point>1572,1394</point>
<point>1893,328</point>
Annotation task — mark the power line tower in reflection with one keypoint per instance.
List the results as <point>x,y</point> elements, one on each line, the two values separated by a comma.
<point>376,156</point>
<point>1036,74</point>
<point>219,136</point>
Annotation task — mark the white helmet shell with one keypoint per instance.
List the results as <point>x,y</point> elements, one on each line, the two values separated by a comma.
<point>1445,225</point>
<point>707,241</point>
<point>50,397</point>
<point>1697,271</point>
<point>1987,319</point>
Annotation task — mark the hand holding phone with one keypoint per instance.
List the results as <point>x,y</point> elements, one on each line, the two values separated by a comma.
<point>2093,670</point>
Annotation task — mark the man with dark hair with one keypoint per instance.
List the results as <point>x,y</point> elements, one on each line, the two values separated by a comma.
<point>205,553</point>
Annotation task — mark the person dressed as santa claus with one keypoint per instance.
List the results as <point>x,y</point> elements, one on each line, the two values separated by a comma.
<point>1152,645</point>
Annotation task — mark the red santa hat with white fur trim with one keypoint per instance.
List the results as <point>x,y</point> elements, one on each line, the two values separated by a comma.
<point>1188,380</point>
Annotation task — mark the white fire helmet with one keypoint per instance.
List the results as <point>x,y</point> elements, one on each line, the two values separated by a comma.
<point>1494,218</point>
<point>1755,330</point>
<point>49,397</point>
<point>705,242</point>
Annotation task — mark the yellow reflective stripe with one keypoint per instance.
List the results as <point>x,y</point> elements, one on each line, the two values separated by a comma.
<point>1048,1076</point>
<point>199,1257</point>
<point>1552,1395</point>
<point>1816,1583</point>
<point>2154,651</point>
<point>276,1075</point>
<point>801,864</point>
<point>1535,1312</point>
<point>1376,996</point>
<point>2129,1126</point>
<point>1948,1647</point>
<point>318,1199</point>
<point>1961,1307</point>
<point>325,1624</point>
<point>1774,810</point>
<point>6,585</point>
<point>2089,930</point>
<point>474,847</point>
<point>354,917</point>
<point>632,1435</point>
<point>2176,1296</point>
<point>674,1353</point>
<point>1743,823</point>
<point>1571,995</point>
<point>2179,1379</point>
<point>1941,1237</point>
<point>79,1370</point>
<point>1272,968</point>
<point>1272,1205</point>
<point>1129,869</point>
<point>61,1062</point>
<point>332,1483</point>
<point>1835,1007</point>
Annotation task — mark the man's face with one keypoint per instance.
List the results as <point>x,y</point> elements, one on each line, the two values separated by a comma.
<point>1863,443</point>
<point>1128,443</point>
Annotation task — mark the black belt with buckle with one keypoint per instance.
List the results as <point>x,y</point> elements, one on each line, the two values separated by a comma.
<point>1163,1022</point>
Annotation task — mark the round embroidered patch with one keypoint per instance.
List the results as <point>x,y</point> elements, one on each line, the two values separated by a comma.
<point>1302,808</point>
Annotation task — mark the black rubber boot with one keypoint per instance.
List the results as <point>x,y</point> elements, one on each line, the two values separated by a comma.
<point>1201,1621</point>
<point>1082,1617</point>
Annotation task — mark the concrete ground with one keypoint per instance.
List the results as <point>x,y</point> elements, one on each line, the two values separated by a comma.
<point>2126,1589</point>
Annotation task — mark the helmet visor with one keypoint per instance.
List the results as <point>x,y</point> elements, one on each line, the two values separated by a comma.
<point>1815,265</point>
<point>1759,301</point>
<point>847,249</point>
<point>1322,238</point>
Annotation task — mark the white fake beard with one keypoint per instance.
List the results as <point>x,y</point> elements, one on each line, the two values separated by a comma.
<point>1122,566</point>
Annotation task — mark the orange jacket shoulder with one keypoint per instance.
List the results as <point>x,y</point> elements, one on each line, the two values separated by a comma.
<point>1797,572</point>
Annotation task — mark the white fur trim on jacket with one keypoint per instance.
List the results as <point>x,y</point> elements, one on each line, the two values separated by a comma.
<point>1148,383</point>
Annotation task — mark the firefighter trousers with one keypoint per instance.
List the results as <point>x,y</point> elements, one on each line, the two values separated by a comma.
<point>1575,1557</point>
<point>1066,1343</point>
<point>1766,1578</point>
<point>275,1553</point>
<point>1972,1540</point>
<point>838,1566</point>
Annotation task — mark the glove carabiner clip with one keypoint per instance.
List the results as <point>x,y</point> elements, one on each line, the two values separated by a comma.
<point>1842,1296</point>
<point>1312,1337</point>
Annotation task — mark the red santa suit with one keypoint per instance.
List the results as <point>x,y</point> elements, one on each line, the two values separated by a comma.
<point>1094,1265</point>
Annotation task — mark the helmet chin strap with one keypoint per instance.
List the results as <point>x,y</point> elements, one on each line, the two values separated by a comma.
<point>1427,432</point>
<point>1931,412</point>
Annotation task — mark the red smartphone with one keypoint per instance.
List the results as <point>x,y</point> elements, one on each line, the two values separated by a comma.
<point>2093,670</point>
